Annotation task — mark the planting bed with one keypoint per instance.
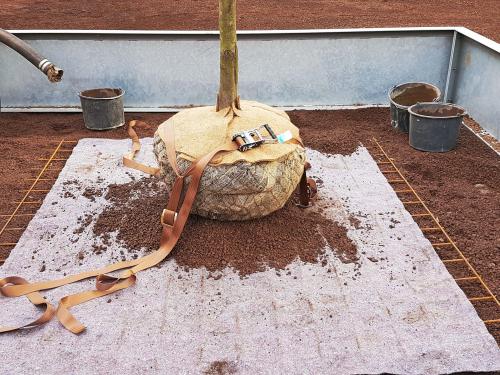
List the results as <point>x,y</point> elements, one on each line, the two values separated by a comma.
<point>479,15</point>
<point>461,187</point>
<point>350,284</point>
<point>446,181</point>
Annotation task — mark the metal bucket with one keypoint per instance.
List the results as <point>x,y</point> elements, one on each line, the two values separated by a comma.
<point>102,108</point>
<point>435,127</point>
<point>402,97</point>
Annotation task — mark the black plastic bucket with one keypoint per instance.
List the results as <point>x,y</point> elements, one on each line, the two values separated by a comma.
<point>435,127</point>
<point>402,97</point>
<point>102,108</point>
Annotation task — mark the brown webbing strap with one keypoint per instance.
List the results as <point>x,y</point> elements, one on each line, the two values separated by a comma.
<point>36,299</point>
<point>14,289</point>
<point>170,146</point>
<point>307,190</point>
<point>173,222</point>
<point>17,286</point>
<point>129,159</point>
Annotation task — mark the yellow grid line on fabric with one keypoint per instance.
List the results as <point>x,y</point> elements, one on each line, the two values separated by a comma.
<point>461,258</point>
<point>42,171</point>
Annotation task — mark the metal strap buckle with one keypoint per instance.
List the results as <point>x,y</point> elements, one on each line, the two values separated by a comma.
<point>252,138</point>
<point>172,217</point>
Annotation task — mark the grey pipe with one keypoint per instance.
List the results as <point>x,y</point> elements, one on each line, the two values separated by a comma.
<point>49,69</point>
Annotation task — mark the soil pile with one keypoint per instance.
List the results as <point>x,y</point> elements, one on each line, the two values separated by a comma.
<point>416,95</point>
<point>251,246</point>
<point>221,368</point>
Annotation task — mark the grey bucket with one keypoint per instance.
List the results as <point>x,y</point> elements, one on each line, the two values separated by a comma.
<point>403,96</point>
<point>435,127</point>
<point>102,108</point>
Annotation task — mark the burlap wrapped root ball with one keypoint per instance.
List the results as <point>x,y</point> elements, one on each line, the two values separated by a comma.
<point>235,185</point>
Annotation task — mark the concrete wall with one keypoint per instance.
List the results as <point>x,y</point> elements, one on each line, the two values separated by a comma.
<point>166,70</point>
<point>286,69</point>
<point>477,83</point>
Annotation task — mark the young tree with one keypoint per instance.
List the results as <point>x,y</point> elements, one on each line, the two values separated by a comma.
<point>228,86</point>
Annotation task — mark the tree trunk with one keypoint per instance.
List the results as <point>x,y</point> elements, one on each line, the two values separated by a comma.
<point>228,87</point>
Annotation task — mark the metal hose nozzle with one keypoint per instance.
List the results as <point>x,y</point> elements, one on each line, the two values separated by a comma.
<point>53,73</point>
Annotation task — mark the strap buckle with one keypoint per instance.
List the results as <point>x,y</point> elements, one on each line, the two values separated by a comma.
<point>307,191</point>
<point>168,218</point>
<point>252,138</point>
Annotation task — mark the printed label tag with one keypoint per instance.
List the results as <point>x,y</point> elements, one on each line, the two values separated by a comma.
<point>284,137</point>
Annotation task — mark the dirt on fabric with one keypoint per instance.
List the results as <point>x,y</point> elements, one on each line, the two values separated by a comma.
<point>247,247</point>
<point>462,187</point>
<point>221,368</point>
<point>479,15</point>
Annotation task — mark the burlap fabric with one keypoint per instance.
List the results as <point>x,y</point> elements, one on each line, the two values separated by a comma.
<point>237,185</point>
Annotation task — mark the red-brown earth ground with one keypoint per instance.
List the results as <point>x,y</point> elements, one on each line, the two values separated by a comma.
<point>461,187</point>
<point>481,16</point>
<point>447,183</point>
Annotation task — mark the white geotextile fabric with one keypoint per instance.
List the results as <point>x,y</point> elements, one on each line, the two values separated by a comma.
<point>382,316</point>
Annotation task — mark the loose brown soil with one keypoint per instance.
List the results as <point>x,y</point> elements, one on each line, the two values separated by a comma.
<point>461,187</point>
<point>481,133</point>
<point>247,247</point>
<point>102,93</point>
<point>480,15</point>
<point>439,110</point>
<point>416,95</point>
